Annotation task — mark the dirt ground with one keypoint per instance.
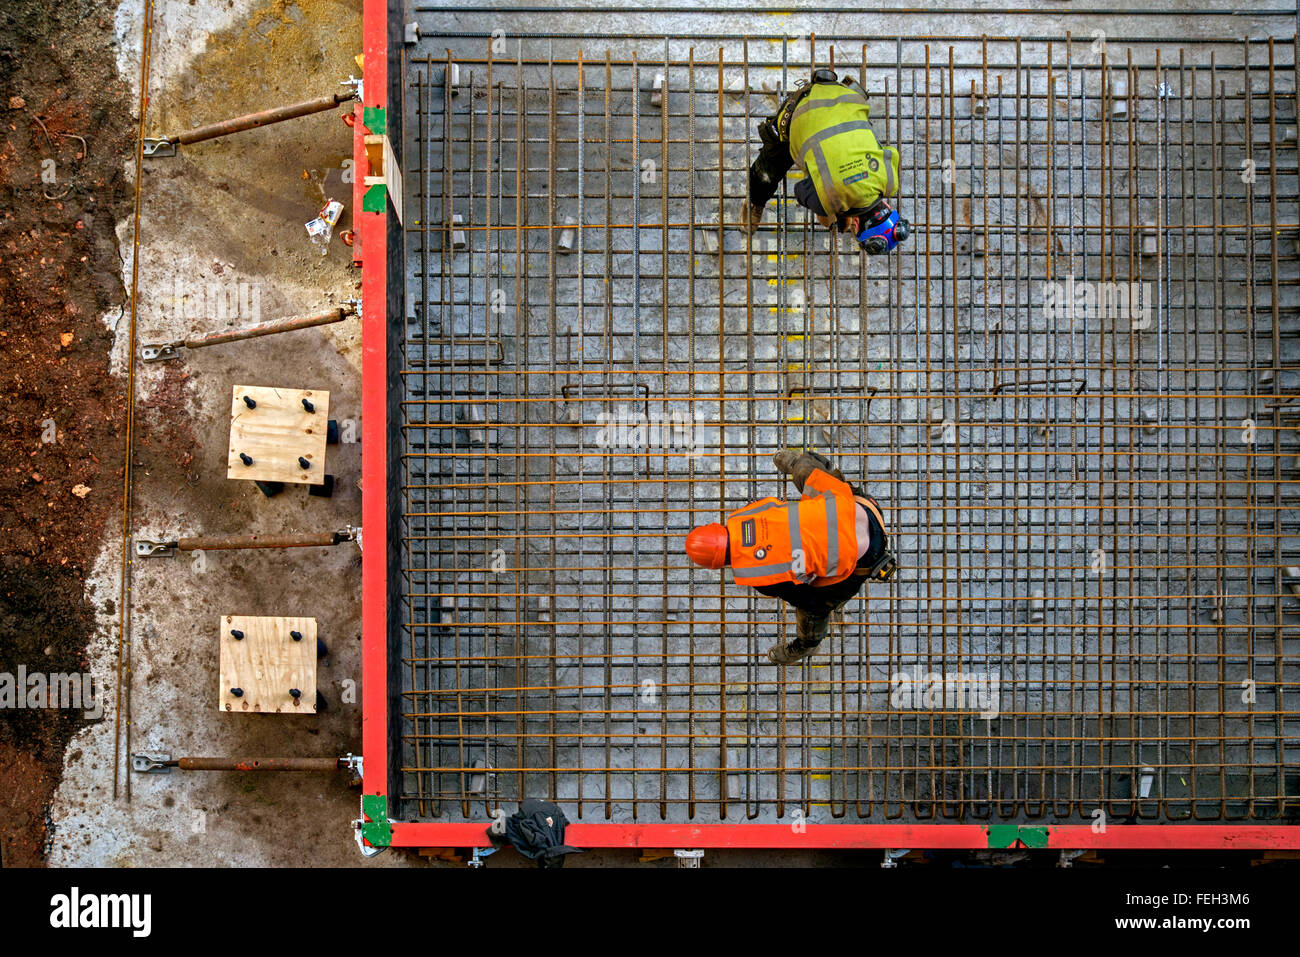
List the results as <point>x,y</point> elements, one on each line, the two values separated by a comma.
<point>223,245</point>
<point>67,125</point>
<point>228,214</point>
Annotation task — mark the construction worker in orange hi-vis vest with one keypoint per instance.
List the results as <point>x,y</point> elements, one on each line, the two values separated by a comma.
<point>814,553</point>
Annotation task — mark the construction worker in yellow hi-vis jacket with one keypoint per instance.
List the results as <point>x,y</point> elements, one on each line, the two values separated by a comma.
<point>849,177</point>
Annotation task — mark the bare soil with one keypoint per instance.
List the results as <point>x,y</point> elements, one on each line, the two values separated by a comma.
<point>67,129</point>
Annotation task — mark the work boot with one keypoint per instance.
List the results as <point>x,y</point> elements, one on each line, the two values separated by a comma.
<point>782,654</point>
<point>799,464</point>
<point>809,630</point>
<point>750,216</point>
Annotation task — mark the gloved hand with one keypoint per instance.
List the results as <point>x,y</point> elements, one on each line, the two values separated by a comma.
<point>799,464</point>
<point>750,215</point>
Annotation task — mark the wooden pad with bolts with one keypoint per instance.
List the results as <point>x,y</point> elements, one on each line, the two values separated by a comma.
<point>276,433</point>
<point>266,663</point>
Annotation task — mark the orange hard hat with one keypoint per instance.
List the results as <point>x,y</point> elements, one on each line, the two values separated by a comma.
<point>707,545</point>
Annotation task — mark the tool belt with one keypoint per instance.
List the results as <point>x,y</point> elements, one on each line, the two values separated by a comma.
<point>886,565</point>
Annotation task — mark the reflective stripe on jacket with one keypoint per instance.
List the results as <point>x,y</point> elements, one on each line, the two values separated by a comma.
<point>831,140</point>
<point>812,541</point>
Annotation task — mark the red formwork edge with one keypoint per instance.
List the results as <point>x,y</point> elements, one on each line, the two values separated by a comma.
<point>847,836</point>
<point>370,250</point>
<point>369,246</point>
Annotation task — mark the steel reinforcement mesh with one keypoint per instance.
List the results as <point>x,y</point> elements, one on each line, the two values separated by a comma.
<point>1072,390</point>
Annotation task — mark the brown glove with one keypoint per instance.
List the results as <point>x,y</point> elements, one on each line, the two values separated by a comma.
<point>799,464</point>
<point>750,215</point>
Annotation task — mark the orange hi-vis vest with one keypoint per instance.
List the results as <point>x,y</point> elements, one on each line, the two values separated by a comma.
<point>813,541</point>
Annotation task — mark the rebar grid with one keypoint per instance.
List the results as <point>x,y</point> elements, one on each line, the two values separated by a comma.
<point>1095,509</point>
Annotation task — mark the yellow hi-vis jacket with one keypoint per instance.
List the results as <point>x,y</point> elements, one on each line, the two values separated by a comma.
<point>813,541</point>
<point>830,139</point>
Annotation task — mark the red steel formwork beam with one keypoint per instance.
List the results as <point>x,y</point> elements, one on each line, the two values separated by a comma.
<point>867,836</point>
<point>371,249</point>
<point>378,830</point>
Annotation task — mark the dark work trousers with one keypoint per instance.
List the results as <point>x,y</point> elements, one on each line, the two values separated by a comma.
<point>814,604</point>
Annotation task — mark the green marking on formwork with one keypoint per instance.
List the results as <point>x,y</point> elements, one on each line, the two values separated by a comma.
<point>374,199</point>
<point>376,120</point>
<point>1006,835</point>
<point>1034,836</point>
<point>377,831</point>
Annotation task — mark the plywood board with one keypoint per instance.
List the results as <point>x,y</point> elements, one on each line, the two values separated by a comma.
<point>384,169</point>
<point>393,176</point>
<point>276,433</point>
<point>266,663</point>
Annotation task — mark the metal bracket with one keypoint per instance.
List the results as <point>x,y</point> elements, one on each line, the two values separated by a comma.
<point>357,88</point>
<point>355,304</point>
<point>355,532</point>
<point>159,148</point>
<point>478,853</point>
<point>160,352</point>
<point>366,849</point>
<point>151,762</point>
<point>352,762</point>
<point>145,548</point>
<point>892,854</point>
<point>688,858</point>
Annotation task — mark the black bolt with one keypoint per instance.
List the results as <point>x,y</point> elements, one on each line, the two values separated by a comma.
<point>237,692</point>
<point>296,635</point>
<point>245,458</point>
<point>249,402</point>
<point>238,635</point>
<point>295,693</point>
<point>308,406</point>
<point>303,463</point>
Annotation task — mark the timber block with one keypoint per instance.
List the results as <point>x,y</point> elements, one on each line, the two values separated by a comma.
<point>276,432</point>
<point>266,663</point>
